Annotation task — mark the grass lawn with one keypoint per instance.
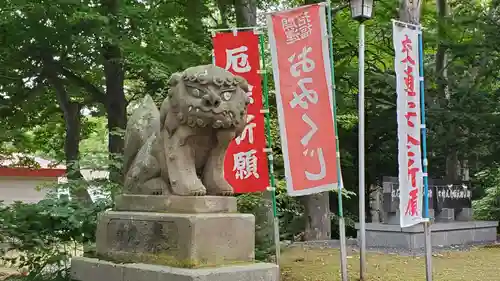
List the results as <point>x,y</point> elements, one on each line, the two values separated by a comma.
<point>299,264</point>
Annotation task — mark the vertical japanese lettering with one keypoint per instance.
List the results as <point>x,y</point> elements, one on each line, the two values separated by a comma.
<point>245,164</point>
<point>237,60</point>
<point>411,115</point>
<point>297,28</point>
<point>302,74</point>
<point>307,96</point>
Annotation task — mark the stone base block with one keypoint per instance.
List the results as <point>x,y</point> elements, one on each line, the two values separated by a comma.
<point>176,239</point>
<point>393,217</point>
<point>85,269</point>
<point>176,204</point>
<point>446,215</point>
<point>466,214</point>
<point>442,234</point>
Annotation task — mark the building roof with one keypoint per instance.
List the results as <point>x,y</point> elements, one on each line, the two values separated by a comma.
<point>10,167</point>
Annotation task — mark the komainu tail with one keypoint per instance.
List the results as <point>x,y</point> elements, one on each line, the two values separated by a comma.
<point>141,126</point>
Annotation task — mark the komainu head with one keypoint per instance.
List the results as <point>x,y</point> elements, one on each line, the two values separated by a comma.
<point>208,95</point>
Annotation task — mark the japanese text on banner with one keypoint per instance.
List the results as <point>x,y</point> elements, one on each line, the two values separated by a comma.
<point>302,74</point>
<point>408,116</point>
<point>245,164</point>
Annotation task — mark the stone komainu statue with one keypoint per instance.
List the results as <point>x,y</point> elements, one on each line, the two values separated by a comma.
<point>180,148</point>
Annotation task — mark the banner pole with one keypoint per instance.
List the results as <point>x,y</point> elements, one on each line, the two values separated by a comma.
<point>265,91</point>
<point>343,247</point>
<point>427,229</point>
<point>361,153</point>
<point>237,28</point>
<point>213,50</point>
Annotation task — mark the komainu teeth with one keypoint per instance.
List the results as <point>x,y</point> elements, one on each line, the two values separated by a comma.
<point>197,110</point>
<point>231,114</point>
<point>190,108</point>
<point>200,122</point>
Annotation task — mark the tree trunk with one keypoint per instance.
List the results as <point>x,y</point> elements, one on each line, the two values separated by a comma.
<point>452,156</point>
<point>317,211</point>
<point>72,150</point>
<point>224,8</point>
<point>71,113</point>
<point>409,11</point>
<point>72,118</point>
<point>116,104</point>
<point>246,12</point>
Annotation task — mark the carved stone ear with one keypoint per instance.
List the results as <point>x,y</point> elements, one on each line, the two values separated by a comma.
<point>242,83</point>
<point>174,79</point>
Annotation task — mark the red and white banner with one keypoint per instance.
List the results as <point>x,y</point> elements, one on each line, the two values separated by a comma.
<point>245,165</point>
<point>406,63</point>
<point>302,77</point>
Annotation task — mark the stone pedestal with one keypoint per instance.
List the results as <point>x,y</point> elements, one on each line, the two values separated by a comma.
<point>86,269</point>
<point>176,204</point>
<point>174,238</point>
<point>442,234</point>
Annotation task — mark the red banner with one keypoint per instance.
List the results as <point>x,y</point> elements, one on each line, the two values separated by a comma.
<point>302,77</point>
<point>245,165</point>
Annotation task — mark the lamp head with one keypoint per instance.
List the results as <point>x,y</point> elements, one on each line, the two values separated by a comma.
<point>361,10</point>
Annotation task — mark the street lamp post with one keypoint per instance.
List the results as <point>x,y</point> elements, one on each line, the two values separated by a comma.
<point>361,10</point>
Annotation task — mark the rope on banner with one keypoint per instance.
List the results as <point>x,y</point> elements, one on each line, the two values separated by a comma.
<point>269,150</point>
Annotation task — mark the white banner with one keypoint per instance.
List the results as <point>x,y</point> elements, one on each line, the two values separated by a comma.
<point>406,63</point>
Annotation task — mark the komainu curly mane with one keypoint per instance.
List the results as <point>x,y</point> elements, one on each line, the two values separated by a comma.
<point>180,149</point>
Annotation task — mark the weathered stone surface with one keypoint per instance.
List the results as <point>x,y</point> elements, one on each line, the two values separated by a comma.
<point>88,269</point>
<point>184,143</point>
<point>144,172</point>
<point>176,204</point>
<point>446,215</point>
<point>144,122</point>
<point>85,269</point>
<point>442,234</point>
<point>177,239</point>
<point>465,214</point>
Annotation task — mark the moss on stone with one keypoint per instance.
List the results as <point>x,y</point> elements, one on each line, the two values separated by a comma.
<point>161,259</point>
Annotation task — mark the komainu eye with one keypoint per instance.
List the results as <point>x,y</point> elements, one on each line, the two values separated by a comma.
<point>227,96</point>
<point>196,92</point>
